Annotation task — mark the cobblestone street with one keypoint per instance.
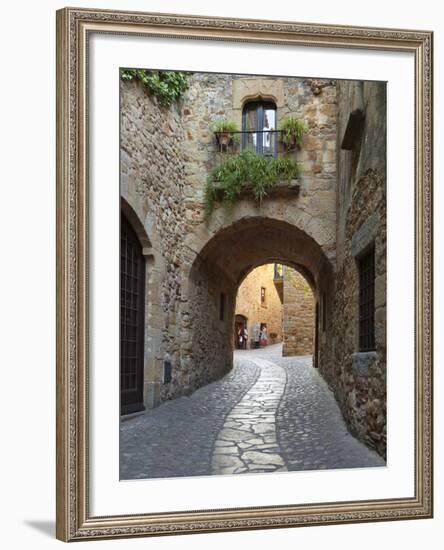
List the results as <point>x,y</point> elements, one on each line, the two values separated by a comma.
<point>270,413</point>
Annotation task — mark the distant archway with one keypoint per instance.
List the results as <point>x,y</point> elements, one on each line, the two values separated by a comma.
<point>280,297</point>
<point>221,265</point>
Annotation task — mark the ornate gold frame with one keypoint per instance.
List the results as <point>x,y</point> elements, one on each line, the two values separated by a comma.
<point>73,519</point>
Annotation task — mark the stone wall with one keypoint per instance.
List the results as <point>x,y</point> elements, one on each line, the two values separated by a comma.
<point>359,378</point>
<point>248,303</point>
<point>212,97</point>
<point>320,229</point>
<point>308,241</point>
<point>182,308</point>
<point>152,179</point>
<point>298,315</point>
<point>166,154</point>
<point>206,338</point>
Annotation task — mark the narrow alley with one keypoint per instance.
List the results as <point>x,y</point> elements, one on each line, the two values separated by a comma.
<point>270,413</point>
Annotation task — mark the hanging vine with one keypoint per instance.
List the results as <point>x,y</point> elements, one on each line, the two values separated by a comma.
<point>247,171</point>
<point>167,86</point>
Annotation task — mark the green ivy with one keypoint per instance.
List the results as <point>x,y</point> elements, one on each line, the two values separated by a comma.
<point>247,171</point>
<point>167,86</point>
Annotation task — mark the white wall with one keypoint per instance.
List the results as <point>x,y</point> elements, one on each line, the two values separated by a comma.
<point>27,274</point>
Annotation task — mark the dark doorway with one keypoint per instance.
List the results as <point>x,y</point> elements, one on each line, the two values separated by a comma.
<point>240,334</point>
<point>132,314</point>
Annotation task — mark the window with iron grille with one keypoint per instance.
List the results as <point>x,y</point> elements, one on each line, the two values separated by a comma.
<point>366,265</point>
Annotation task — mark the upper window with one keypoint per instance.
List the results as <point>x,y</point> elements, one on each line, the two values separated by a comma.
<point>263,295</point>
<point>366,265</point>
<point>259,128</point>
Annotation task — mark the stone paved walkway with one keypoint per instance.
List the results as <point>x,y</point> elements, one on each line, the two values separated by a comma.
<point>247,441</point>
<point>270,413</point>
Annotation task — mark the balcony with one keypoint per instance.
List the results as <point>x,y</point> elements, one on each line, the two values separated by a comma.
<point>253,164</point>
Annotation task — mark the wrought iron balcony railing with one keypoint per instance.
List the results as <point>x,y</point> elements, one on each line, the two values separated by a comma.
<point>237,173</point>
<point>268,143</point>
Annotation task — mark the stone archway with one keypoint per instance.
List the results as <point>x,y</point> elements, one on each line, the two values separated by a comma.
<point>282,298</point>
<point>135,219</point>
<point>252,241</point>
<point>215,274</point>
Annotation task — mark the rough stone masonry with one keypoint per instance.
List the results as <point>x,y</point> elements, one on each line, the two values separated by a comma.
<point>194,265</point>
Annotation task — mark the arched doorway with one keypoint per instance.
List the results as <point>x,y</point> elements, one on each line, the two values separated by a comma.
<point>240,327</point>
<point>280,305</point>
<point>132,315</point>
<point>220,267</point>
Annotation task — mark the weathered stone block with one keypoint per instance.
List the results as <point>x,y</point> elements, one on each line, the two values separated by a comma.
<point>151,394</point>
<point>364,236</point>
<point>255,88</point>
<point>362,361</point>
<point>380,291</point>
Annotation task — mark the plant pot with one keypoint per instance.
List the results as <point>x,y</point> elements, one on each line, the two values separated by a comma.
<point>291,144</point>
<point>224,138</point>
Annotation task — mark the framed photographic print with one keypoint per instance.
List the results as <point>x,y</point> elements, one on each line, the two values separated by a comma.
<point>244,274</point>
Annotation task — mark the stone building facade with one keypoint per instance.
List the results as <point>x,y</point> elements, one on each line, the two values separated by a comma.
<point>298,315</point>
<point>193,264</point>
<point>359,377</point>
<point>280,298</point>
<point>258,303</point>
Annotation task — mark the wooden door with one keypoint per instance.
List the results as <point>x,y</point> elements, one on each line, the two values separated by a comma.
<point>132,315</point>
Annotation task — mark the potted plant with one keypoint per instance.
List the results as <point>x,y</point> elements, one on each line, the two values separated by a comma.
<point>292,130</point>
<point>224,130</point>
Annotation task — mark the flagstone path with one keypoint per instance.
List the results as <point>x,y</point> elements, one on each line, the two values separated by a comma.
<point>270,413</point>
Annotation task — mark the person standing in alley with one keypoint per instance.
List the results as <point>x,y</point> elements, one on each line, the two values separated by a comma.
<point>256,336</point>
<point>245,334</point>
<point>263,335</point>
<point>240,338</point>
